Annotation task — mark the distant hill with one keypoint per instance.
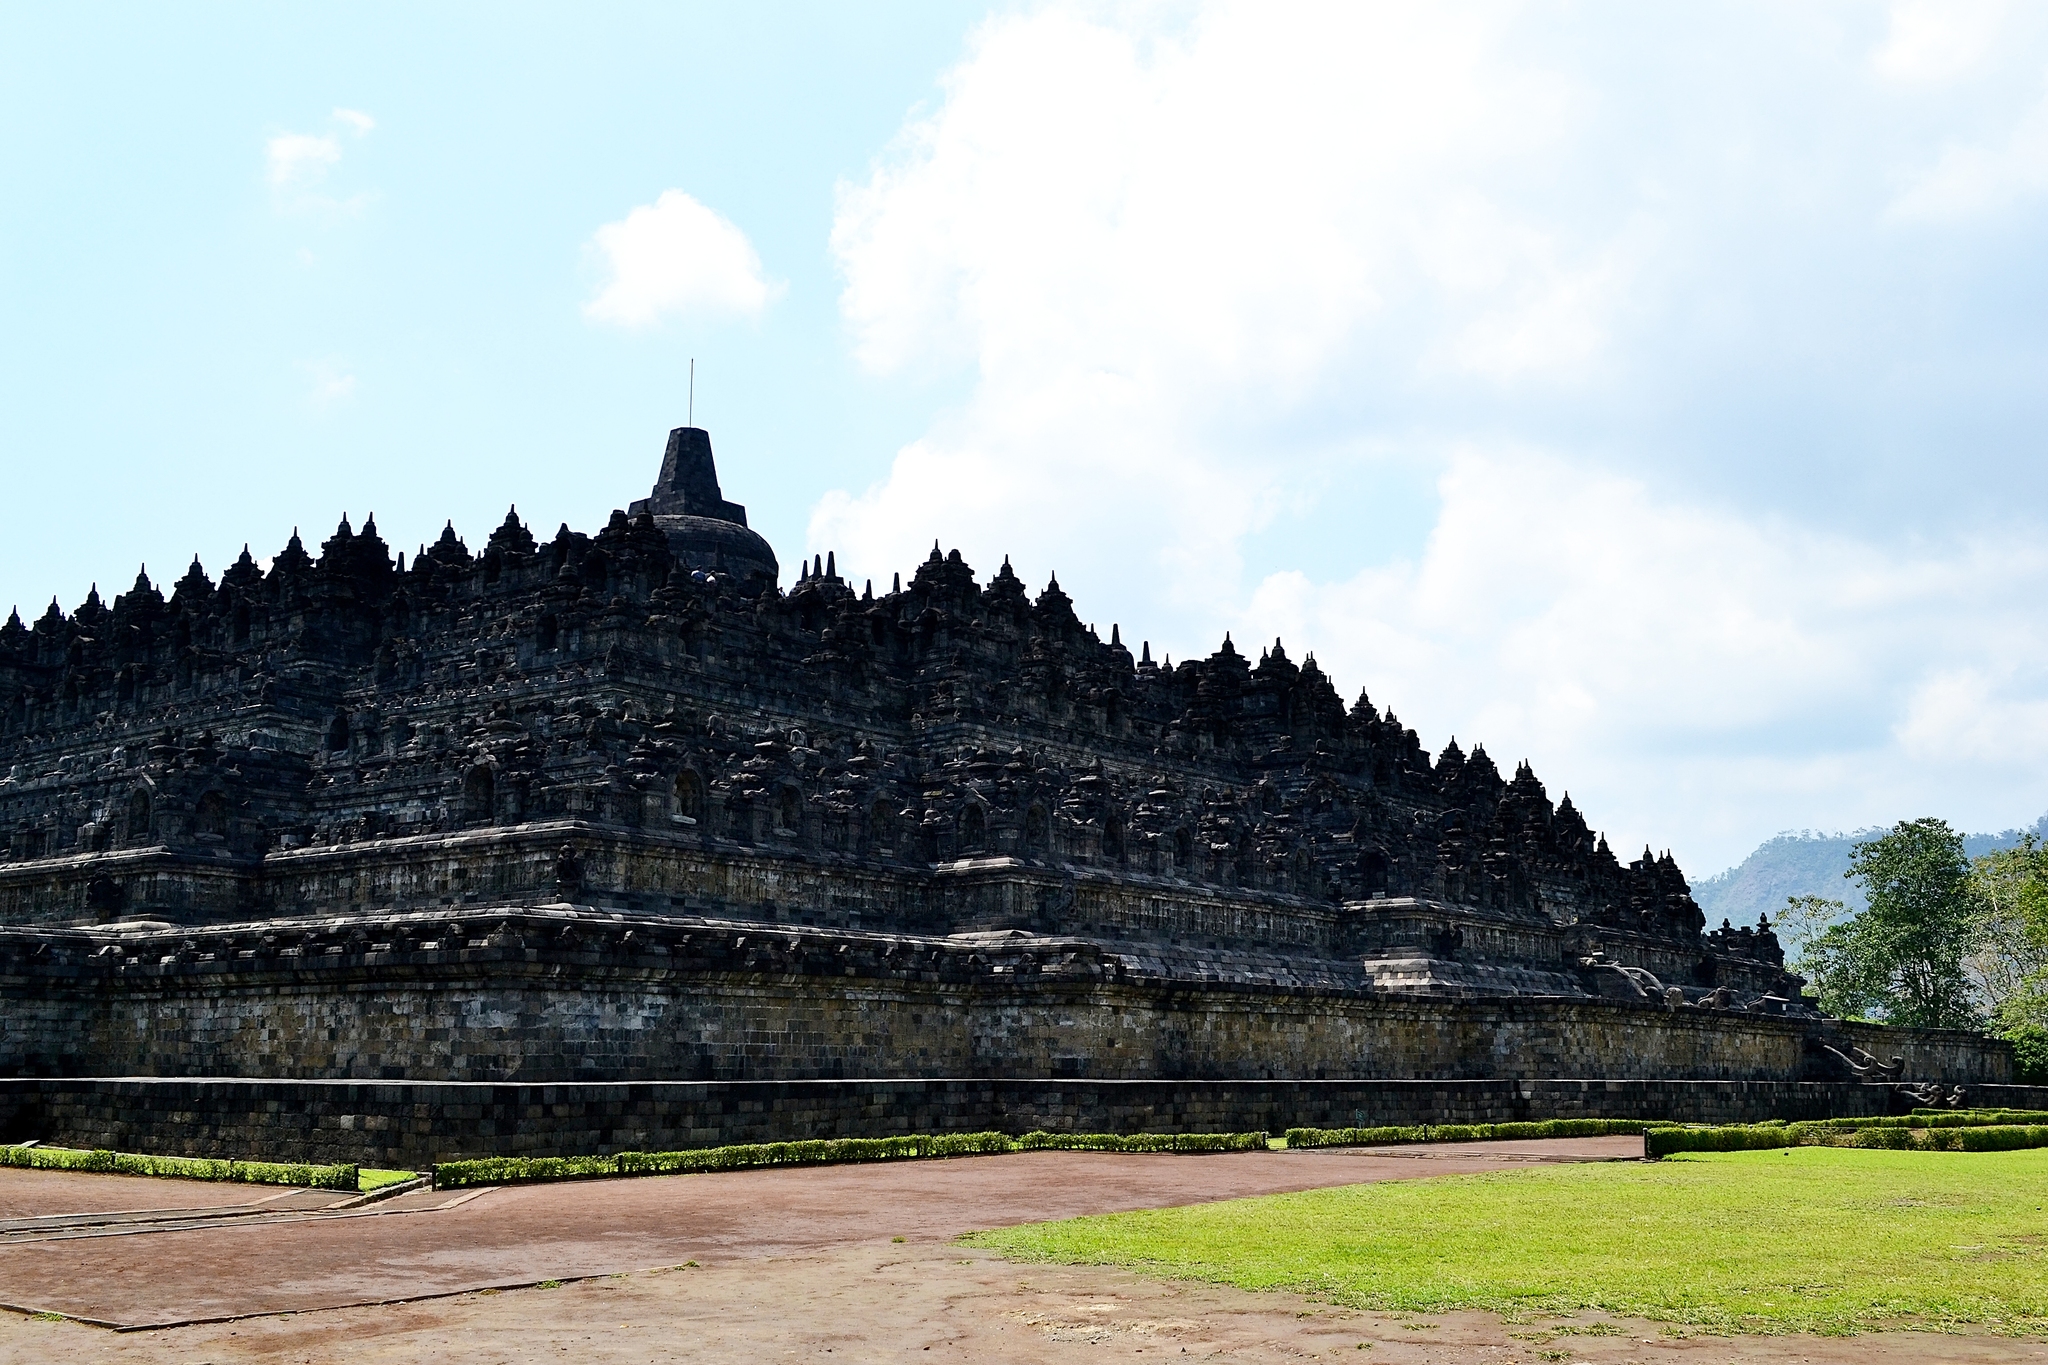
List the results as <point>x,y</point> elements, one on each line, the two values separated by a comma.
<point>1807,863</point>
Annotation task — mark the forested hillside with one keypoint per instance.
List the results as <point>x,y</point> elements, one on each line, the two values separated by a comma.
<point>1807,863</point>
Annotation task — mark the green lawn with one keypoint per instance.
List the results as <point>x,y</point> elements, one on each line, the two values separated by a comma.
<point>1808,1239</point>
<point>370,1178</point>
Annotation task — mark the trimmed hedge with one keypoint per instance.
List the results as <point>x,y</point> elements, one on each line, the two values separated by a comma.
<point>1140,1142</point>
<point>510,1170</point>
<point>181,1167</point>
<point>1938,1118</point>
<point>1753,1137</point>
<point>1966,1118</point>
<point>1932,1130</point>
<point>1464,1132</point>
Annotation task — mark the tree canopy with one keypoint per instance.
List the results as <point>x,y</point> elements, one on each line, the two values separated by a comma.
<point>1945,942</point>
<point>2009,960</point>
<point>1902,957</point>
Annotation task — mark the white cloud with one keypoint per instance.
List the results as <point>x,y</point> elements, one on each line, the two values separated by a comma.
<point>1129,233</point>
<point>1538,315</point>
<point>1696,666</point>
<point>1971,180</point>
<point>1937,40</point>
<point>1234,198</point>
<point>677,257</point>
<point>298,163</point>
<point>1978,716</point>
<point>333,384</point>
<point>1224,280</point>
<point>301,158</point>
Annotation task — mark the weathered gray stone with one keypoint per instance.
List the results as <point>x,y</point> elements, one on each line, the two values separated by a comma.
<point>617,809</point>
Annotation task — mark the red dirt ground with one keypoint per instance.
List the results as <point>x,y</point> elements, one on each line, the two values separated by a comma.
<point>794,1264</point>
<point>520,1234</point>
<point>25,1194</point>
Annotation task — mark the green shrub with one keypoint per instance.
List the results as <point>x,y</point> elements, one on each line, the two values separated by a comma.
<point>1141,1142</point>
<point>2029,1053</point>
<point>2008,1139</point>
<point>509,1170</point>
<point>1354,1137</point>
<point>181,1167</point>
<point>1736,1137</point>
<point>1944,1118</point>
<point>1966,1118</point>
<point>967,1144</point>
<point>514,1170</point>
<point>815,1152</point>
<point>1463,1132</point>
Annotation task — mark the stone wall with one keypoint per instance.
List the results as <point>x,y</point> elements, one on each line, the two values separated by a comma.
<point>534,995</point>
<point>662,872</point>
<point>185,887</point>
<point>412,1124</point>
<point>658,870</point>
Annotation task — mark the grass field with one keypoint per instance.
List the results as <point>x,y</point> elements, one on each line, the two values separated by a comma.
<point>1811,1239</point>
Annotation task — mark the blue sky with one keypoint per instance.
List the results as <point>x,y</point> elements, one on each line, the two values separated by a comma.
<point>1654,393</point>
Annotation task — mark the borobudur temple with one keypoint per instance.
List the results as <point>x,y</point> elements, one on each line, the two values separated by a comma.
<point>609,841</point>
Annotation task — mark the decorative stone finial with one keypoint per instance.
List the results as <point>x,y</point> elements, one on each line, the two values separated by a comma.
<point>688,485</point>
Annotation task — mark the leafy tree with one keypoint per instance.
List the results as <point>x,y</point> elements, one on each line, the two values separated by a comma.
<point>2010,886</point>
<point>2029,1051</point>
<point>2009,963</point>
<point>1825,956</point>
<point>1902,957</point>
<point>1920,923</point>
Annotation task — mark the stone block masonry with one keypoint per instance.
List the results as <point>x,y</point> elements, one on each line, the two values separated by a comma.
<point>411,1124</point>
<point>613,840</point>
<point>560,994</point>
